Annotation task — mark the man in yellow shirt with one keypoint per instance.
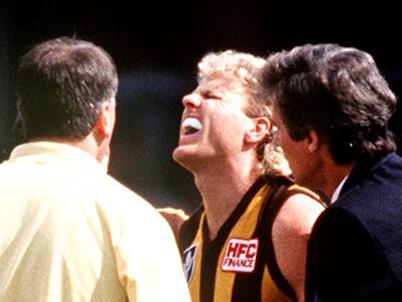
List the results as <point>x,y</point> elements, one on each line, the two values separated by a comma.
<point>70,232</point>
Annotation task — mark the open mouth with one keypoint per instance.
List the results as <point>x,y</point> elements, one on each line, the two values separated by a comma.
<point>191,125</point>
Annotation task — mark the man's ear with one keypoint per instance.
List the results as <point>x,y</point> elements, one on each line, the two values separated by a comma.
<point>106,119</point>
<point>313,141</point>
<point>258,131</point>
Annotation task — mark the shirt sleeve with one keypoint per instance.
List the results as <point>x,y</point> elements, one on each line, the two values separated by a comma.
<point>147,257</point>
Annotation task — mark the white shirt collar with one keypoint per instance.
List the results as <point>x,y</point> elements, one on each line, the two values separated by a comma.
<point>337,191</point>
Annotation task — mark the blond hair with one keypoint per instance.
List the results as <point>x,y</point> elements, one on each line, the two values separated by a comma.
<point>244,68</point>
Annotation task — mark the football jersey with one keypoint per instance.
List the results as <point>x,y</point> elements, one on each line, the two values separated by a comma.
<point>239,264</point>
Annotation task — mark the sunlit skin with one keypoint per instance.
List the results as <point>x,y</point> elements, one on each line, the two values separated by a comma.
<point>223,150</point>
<point>217,104</point>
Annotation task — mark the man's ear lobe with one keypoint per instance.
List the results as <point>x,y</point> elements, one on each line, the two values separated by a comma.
<point>313,141</point>
<point>259,130</point>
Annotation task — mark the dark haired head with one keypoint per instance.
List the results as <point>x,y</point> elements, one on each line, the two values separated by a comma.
<point>337,91</point>
<point>60,86</point>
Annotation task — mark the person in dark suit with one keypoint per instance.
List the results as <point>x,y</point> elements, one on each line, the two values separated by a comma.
<point>332,107</point>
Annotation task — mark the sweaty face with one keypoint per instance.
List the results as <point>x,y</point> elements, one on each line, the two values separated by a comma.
<point>213,123</point>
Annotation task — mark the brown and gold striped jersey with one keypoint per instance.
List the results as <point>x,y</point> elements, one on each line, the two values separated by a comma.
<point>239,265</point>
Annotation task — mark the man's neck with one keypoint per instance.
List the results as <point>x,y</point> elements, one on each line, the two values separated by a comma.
<point>221,190</point>
<point>330,178</point>
<point>89,145</point>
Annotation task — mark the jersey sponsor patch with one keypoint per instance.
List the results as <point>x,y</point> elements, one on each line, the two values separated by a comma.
<point>240,255</point>
<point>189,261</point>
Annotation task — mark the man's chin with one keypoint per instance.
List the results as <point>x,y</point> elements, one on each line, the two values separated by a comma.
<point>179,154</point>
<point>185,158</point>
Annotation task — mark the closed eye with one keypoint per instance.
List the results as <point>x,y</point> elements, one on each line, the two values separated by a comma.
<point>207,94</point>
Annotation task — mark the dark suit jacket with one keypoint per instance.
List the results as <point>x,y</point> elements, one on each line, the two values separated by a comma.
<point>355,249</point>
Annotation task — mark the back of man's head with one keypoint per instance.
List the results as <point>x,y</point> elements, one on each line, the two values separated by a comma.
<point>337,91</point>
<point>61,84</point>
